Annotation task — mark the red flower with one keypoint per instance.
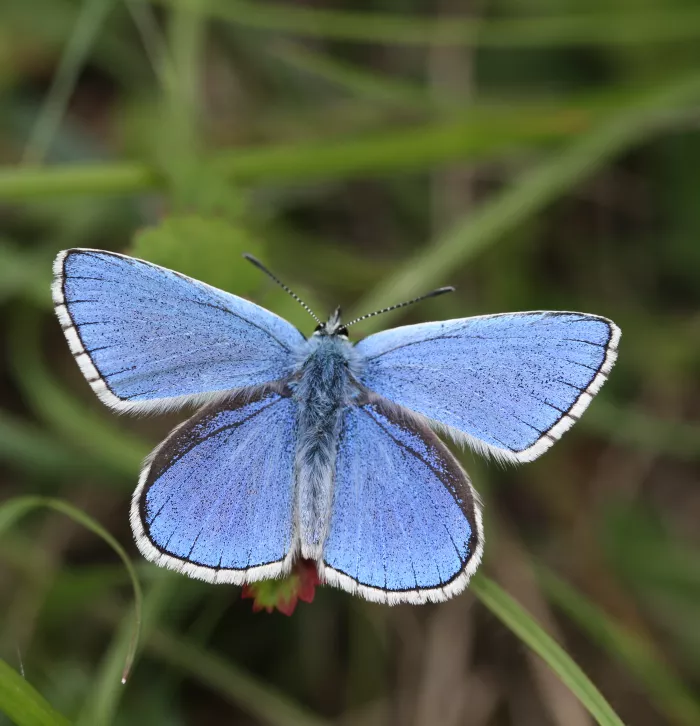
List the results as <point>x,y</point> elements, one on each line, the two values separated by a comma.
<point>283,594</point>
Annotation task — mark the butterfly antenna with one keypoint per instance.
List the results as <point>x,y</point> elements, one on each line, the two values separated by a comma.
<point>434,293</point>
<point>255,261</point>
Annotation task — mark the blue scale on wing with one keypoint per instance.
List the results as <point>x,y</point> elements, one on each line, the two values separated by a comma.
<point>403,513</point>
<point>153,333</point>
<point>503,379</point>
<point>219,493</point>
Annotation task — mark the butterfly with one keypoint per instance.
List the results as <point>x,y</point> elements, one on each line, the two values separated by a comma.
<point>317,447</point>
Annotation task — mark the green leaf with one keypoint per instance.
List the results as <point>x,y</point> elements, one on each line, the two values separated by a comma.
<point>24,705</point>
<point>211,249</point>
<point>206,248</point>
<point>526,628</point>
<point>14,509</point>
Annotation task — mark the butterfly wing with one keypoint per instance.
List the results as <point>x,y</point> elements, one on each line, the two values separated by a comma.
<point>216,499</point>
<point>149,338</point>
<point>509,385</point>
<point>405,523</point>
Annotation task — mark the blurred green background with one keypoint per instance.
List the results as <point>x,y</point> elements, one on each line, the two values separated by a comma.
<point>537,154</point>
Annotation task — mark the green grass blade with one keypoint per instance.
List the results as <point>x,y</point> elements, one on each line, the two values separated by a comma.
<point>356,80</point>
<point>236,685</point>
<point>378,153</point>
<point>106,690</point>
<point>21,703</point>
<point>95,179</point>
<point>527,196</point>
<point>86,430</point>
<point>50,22</point>
<point>16,508</point>
<point>613,28</point>
<point>92,15</point>
<point>244,690</point>
<point>637,656</point>
<point>186,40</point>
<point>485,134</point>
<point>29,448</point>
<point>153,41</point>
<point>514,617</point>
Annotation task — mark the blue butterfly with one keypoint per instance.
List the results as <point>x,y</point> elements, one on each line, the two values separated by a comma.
<point>317,447</point>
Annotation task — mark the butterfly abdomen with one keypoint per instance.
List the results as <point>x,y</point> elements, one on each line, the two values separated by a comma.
<point>323,390</point>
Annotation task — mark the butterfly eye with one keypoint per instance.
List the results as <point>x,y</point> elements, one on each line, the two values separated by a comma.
<point>319,327</point>
<point>343,331</point>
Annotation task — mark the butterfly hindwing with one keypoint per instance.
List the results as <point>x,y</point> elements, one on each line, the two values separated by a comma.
<point>216,499</point>
<point>509,384</point>
<point>149,338</point>
<point>406,523</point>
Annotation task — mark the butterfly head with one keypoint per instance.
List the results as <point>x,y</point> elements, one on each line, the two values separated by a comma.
<point>333,326</point>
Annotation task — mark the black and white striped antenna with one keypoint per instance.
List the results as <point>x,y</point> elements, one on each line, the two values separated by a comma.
<point>255,261</point>
<point>434,293</point>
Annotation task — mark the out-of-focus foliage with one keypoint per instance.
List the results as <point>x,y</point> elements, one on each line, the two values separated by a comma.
<point>537,155</point>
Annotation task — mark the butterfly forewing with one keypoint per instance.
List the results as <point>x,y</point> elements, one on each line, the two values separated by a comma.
<point>406,523</point>
<point>508,385</point>
<point>149,338</point>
